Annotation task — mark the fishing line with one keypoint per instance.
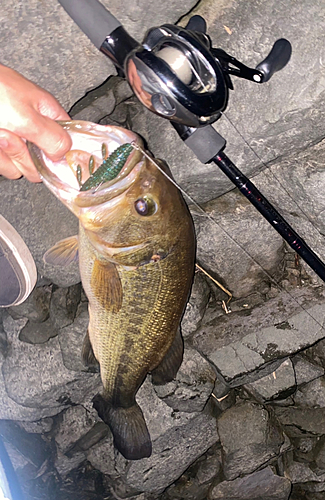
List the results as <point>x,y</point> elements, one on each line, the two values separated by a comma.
<point>213,220</point>
<point>267,169</point>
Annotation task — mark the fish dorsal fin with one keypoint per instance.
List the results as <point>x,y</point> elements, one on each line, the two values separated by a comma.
<point>63,252</point>
<point>106,285</point>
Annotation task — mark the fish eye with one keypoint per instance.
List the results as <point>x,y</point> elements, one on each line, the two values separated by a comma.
<point>145,206</point>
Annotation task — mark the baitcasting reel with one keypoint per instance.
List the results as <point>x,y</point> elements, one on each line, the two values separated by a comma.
<point>178,75</point>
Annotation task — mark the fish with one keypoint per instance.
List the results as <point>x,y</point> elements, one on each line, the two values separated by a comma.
<point>136,252</point>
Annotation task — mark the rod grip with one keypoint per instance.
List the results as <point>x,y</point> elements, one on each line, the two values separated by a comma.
<point>92,18</point>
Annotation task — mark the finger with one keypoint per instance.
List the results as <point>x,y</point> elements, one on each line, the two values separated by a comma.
<point>7,168</point>
<point>49,136</point>
<point>15,160</point>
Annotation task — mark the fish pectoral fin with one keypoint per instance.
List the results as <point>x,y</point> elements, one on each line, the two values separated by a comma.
<point>129,429</point>
<point>106,285</point>
<point>87,353</point>
<point>167,369</point>
<point>63,252</point>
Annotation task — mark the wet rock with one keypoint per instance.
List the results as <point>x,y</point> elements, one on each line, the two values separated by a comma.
<point>305,371</point>
<point>249,438</point>
<point>311,395</point>
<point>178,439</point>
<point>238,344</point>
<point>192,386</point>
<point>277,385</point>
<point>36,308</point>
<point>196,305</point>
<point>262,485</point>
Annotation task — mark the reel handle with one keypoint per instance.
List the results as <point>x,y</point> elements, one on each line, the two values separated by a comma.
<point>278,58</point>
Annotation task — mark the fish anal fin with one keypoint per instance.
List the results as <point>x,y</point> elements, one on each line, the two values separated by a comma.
<point>167,369</point>
<point>106,285</point>
<point>88,356</point>
<point>129,429</point>
<point>63,252</point>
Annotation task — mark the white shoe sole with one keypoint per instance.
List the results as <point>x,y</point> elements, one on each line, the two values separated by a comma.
<point>23,256</point>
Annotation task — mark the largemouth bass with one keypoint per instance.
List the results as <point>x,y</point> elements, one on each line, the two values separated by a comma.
<point>136,249</point>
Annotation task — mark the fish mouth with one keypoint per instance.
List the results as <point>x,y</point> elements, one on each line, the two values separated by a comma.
<point>88,138</point>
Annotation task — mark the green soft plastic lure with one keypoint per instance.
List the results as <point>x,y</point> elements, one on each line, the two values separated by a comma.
<point>110,167</point>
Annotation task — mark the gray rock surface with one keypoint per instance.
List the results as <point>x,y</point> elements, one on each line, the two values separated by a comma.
<point>233,233</point>
<point>262,485</point>
<point>239,343</point>
<point>277,385</point>
<point>192,386</point>
<point>249,438</point>
<point>34,376</point>
<point>306,371</point>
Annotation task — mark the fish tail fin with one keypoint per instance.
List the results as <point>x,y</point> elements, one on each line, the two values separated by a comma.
<point>129,429</point>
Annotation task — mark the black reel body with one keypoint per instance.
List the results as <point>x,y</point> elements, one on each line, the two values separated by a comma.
<point>175,75</point>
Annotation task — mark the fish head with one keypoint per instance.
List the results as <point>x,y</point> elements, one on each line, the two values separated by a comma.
<point>132,219</point>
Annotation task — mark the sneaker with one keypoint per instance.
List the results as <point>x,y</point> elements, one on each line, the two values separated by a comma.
<point>18,273</point>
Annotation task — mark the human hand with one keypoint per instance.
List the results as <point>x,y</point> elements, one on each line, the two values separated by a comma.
<point>27,112</point>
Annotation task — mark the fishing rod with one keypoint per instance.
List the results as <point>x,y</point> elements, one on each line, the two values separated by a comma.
<point>178,75</point>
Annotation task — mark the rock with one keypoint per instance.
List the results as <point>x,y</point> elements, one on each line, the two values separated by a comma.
<point>102,456</point>
<point>305,371</point>
<point>277,385</point>
<point>29,381</point>
<point>192,386</point>
<point>64,305</point>
<point>71,341</point>
<point>299,472</point>
<point>249,438</point>
<point>64,464</point>
<point>302,422</point>
<point>36,307</point>
<point>238,344</point>
<point>30,446</point>
<point>236,220</point>
<point>320,453</point>
<point>261,485</point>
<point>38,333</point>
<point>194,483</point>
<point>196,305</point>
<point>76,423</point>
<point>312,394</point>
<point>38,427</point>
<point>191,433</point>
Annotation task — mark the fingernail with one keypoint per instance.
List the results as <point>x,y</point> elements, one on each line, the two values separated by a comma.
<point>3,143</point>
